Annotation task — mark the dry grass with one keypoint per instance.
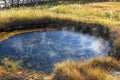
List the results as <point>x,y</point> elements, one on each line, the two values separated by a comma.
<point>2,71</point>
<point>104,6</point>
<point>107,64</point>
<point>95,69</point>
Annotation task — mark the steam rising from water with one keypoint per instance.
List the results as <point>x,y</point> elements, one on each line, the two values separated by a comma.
<point>44,49</point>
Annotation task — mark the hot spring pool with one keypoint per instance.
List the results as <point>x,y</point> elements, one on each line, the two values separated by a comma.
<point>43,49</point>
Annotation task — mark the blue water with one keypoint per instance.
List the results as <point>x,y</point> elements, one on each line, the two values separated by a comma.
<point>44,49</point>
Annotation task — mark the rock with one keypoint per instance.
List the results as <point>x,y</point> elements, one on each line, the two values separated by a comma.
<point>115,73</point>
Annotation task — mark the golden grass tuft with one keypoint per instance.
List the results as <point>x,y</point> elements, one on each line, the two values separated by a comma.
<point>107,64</point>
<point>95,69</point>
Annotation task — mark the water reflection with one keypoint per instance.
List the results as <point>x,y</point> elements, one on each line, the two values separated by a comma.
<point>44,49</point>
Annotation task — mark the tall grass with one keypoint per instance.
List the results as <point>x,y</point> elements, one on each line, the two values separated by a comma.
<point>95,69</point>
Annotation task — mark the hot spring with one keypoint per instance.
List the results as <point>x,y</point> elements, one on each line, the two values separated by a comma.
<point>45,48</point>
